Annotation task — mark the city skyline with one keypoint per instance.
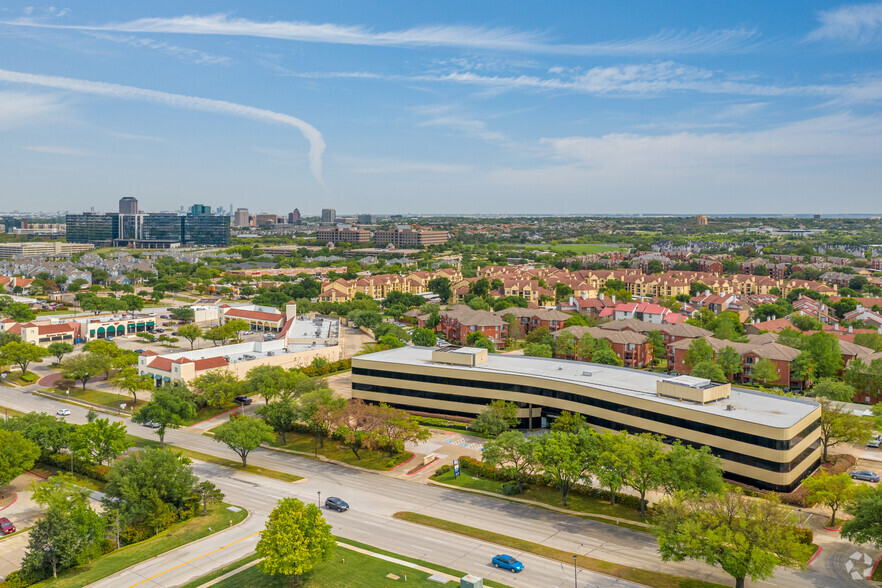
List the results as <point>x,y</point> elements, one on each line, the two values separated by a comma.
<point>398,108</point>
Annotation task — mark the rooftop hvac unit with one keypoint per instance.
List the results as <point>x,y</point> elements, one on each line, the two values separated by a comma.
<point>730,407</point>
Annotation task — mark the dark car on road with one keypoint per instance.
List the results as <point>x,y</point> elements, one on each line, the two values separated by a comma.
<point>242,399</point>
<point>507,562</point>
<point>866,476</point>
<point>337,504</point>
<point>6,526</point>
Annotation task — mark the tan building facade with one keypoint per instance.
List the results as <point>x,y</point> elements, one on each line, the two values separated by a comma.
<point>765,441</point>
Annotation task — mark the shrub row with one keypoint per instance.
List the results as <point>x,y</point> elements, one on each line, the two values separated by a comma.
<point>480,469</point>
<point>434,419</point>
<point>331,368</point>
<point>62,461</point>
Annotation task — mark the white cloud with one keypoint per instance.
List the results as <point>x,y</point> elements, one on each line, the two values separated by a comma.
<point>310,133</point>
<point>20,108</point>
<point>370,165</point>
<point>60,150</point>
<point>504,39</point>
<point>860,24</point>
<point>182,53</point>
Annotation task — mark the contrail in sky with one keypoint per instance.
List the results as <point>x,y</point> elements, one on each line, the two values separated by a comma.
<point>316,142</point>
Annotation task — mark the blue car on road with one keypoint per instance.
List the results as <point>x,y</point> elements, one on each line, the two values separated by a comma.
<point>507,562</point>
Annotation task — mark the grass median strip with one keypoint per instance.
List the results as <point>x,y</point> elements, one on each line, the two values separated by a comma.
<point>222,571</point>
<point>177,535</point>
<point>646,577</point>
<point>222,461</point>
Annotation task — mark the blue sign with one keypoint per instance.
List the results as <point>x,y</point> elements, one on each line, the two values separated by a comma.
<point>455,468</point>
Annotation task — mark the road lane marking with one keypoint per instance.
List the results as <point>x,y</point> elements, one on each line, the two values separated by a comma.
<point>195,558</point>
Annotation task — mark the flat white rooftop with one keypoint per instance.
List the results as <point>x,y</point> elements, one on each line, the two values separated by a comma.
<point>749,405</point>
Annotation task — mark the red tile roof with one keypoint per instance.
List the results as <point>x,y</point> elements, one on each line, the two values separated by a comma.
<point>209,363</point>
<point>254,315</point>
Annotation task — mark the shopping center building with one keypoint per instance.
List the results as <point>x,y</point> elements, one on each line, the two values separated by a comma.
<point>766,441</point>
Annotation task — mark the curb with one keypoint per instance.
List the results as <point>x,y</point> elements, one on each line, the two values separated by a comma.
<point>820,549</point>
<point>213,417</point>
<point>16,497</point>
<point>875,565</point>
<point>412,456</point>
<point>424,467</point>
<point>82,404</point>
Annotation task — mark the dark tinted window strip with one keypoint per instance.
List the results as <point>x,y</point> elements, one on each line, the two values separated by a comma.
<point>682,423</point>
<point>765,464</point>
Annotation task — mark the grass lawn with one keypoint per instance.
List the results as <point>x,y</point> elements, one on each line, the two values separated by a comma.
<point>372,460</point>
<point>46,471</point>
<point>283,476</point>
<point>108,399</point>
<point>179,534</point>
<point>15,376</point>
<point>11,412</point>
<point>545,495</point>
<point>208,412</point>
<point>646,577</point>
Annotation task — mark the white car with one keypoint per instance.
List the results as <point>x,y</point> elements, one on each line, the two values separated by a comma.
<point>63,412</point>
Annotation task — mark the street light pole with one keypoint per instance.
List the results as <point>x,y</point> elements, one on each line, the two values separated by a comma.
<point>320,499</point>
<point>575,573</point>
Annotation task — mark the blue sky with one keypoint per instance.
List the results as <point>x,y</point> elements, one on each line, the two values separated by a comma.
<point>444,107</point>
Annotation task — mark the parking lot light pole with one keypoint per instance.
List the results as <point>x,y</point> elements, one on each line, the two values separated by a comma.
<point>575,573</point>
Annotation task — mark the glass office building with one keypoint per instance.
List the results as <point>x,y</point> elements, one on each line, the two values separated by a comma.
<point>90,227</point>
<point>153,230</point>
<point>206,229</point>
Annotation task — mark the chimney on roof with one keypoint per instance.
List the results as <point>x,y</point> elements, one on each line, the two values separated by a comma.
<point>614,299</point>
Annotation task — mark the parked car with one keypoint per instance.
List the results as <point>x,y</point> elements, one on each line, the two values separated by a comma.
<point>6,526</point>
<point>874,441</point>
<point>337,504</point>
<point>110,339</point>
<point>63,412</point>
<point>866,476</point>
<point>165,316</point>
<point>242,399</point>
<point>507,562</point>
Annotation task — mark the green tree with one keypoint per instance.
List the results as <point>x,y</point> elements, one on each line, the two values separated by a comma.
<point>183,313</point>
<point>744,536</point>
<point>167,409</point>
<point>270,381</point>
<point>133,382</point>
<point>59,349</point>
<point>656,343</point>
<point>83,367</point>
<point>698,351</point>
<point>833,390</point>
<point>365,318</point>
<point>215,388</point>
<point>496,418</point>
<point>207,493</point>
<point>694,471</point>
<point>513,454</point>
<point>709,370</point>
<point>17,454</point>
<point>50,433</point>
<point>840,425</point>
<point>316,408</point>
<point>19,312</point>
<point>280,415</point>
<point>804,322</point>
<point>54,543</point>
<point>606,356</point>
<point>730,361</point>
<point>648,464</point>
<point>540,335</point>
<point>100,441</point>
<point>393,428</point>
<point>865,508</point>
<point>423,337</point>
<point>190,332</point>
<point>765,371</point>
<point>23,354</point>
<point>440,286</point>
<point>824,349</point>
<point>802,368</point>
<point>585,347</point>
<point>243,435</point>
<point>296,538</point>
<point>569,422</point>
<point>565,345</point>
<point>832,491</point>
<point>613,462</point>
<point>538,350</point>
<point>567,458</point>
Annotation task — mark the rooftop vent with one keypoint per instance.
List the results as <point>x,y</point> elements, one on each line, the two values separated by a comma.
<point>587,374</point>
<point>730,407</point>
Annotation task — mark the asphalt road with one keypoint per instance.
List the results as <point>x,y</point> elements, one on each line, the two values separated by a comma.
<point>374,498</point>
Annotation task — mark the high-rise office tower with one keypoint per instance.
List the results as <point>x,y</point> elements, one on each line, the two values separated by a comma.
<point>240,217</point>
<point>198,209</point>
<point>294,217</point>
<point>128,205</point>
<point>329,216</point>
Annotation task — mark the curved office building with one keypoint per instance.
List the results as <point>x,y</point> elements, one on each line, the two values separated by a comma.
<point>767,441</point>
